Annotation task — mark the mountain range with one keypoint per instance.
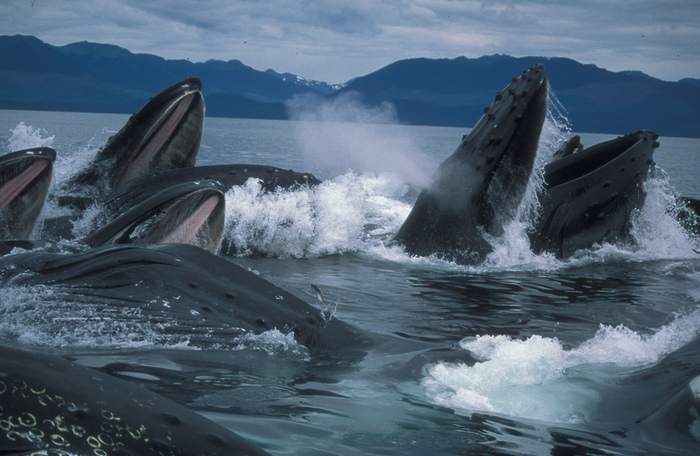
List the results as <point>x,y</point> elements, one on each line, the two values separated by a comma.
<point>447,92</point>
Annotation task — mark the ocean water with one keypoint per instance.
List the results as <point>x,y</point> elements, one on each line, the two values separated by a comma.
<point>524,354</point>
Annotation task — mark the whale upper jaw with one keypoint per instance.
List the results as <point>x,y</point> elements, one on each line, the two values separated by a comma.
<point>479,187</point>
<point>25,179</point>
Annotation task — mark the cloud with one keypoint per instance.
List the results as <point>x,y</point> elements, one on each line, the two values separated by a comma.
<point>335,41</point>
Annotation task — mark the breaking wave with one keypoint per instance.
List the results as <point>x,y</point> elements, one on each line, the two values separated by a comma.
<point>538,378</point>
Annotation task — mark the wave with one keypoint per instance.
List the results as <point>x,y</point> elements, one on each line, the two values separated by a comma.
<point>539,378</point>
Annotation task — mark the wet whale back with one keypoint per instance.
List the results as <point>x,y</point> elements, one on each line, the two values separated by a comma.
<point>63,408</point>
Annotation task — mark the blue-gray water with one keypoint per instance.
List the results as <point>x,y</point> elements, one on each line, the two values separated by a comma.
<point>522,355</point>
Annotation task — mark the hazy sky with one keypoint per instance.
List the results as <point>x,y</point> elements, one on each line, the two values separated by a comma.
<point>336,40</point>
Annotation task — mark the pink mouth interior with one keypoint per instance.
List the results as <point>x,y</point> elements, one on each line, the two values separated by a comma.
<point>189,227</point>
<point>18,183</point>
<point>156,141</point>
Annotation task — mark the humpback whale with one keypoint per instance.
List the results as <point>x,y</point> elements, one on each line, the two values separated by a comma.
<point>590,193</point>
<point>179,289</point>
<point>25,178</point>
<point>478,189</point>
<point>49,405</point>
<point>190,212</point>
<point>134,193</point>
<point>272,178</point>
<point>164,134</point>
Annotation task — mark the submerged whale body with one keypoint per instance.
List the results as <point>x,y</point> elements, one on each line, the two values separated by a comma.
<point>164,134</point>
<point>478,189</point>
<point>25,178</point>
<point>54,406</point>
<point>591,193</point>
<point>176,290</point>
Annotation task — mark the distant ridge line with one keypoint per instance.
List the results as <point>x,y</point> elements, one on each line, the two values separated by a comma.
<point>95,77</point>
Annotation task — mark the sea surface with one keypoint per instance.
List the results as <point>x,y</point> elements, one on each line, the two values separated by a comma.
<point>523,355</point>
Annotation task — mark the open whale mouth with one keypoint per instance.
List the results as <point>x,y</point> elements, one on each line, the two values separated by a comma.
<point>190,213</point>
<point>577,165</point>
<point>164,134</point>
<point>591,192</point>
<point>197,218</point>
<point>25,178</point>
<point>162,147</point>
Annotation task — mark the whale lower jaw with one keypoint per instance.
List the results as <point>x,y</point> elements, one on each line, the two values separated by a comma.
<point>196,219</point>
<point>164,134</point>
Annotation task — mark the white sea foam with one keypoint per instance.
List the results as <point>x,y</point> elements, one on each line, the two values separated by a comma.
<point>25,137</point>
<point>273,342</point>
<point>538,378</point>
<point>342,214</point>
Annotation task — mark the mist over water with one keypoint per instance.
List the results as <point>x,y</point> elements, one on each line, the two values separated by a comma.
<point>346,134</point>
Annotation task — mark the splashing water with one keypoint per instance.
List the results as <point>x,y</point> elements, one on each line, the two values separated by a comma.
<point>345,134</point>
<point>272,342</point>
<point>26,137</point>
<point>538,378</point>
<point>657,216</point>
<point>339,215</point>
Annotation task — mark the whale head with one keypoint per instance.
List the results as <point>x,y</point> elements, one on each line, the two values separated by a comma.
<point>164,134</point>
<point>187,213</point>
<point>25,178</point>
<point>478,189</point>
